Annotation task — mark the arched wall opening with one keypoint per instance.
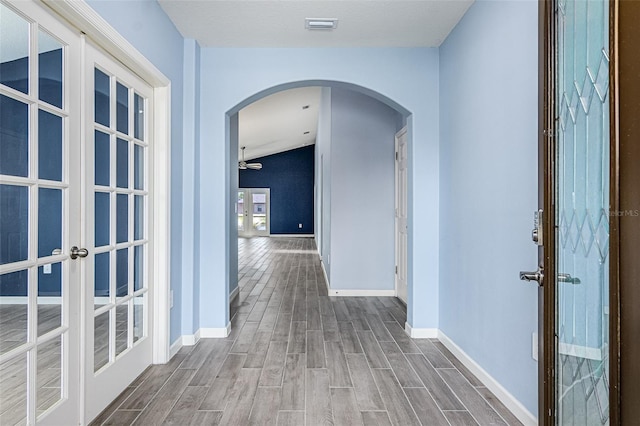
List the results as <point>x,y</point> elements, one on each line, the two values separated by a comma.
<point>229,79</point>
<point>378,110</point>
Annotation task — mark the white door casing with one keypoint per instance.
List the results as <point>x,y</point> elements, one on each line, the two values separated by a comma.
<point>401,165</point>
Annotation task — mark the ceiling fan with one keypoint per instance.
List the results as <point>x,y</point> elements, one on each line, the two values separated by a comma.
<point>243,165</point>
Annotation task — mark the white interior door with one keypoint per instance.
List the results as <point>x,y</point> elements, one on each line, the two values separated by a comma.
<point>117,282</point>
<point>401,215</point>
<point>253,212</point>
<point>39,188</point>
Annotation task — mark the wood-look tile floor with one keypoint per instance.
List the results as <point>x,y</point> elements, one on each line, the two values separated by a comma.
<point>296,356</point>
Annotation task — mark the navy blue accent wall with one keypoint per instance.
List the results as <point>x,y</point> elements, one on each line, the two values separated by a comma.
<point>289,175</point>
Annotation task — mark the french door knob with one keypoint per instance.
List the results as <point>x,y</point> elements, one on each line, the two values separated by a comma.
<point>76,252</point>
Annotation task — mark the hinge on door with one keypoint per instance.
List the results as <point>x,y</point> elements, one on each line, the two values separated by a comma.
<point>396,269</point>
<point>396,155</point>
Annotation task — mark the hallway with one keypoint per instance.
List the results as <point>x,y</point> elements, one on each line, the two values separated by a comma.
<point>297,356</point>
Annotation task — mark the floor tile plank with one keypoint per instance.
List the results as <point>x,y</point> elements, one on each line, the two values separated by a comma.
<point>318,400</point>
<point>345,407</point>
<point>398,407</point>
<point>443,395</point>
<point>365,386</point>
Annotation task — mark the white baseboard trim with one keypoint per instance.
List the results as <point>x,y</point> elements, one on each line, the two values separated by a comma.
<point>420,333</point>
<point>191,339</point>
<point>215,333</point>
<point>353,292</point>
<point>326,277</point>
<point>361,293</point>
<point>580,351</point>
<point>492,384</point>
<point>175,347</point>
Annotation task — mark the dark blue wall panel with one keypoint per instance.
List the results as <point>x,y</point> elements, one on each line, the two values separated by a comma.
<point>289,175</point>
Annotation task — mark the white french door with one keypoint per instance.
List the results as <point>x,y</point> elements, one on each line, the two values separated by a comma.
<point>39,195</point>
<point>116,336</point>
<point>75,246</point>
<point>253,212</point>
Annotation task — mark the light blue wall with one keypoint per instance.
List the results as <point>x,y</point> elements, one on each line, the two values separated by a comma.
<point>231,76</point>
<point>363,192</point>
<point>145,25</point>
<point>191,114</point>
<point>488,192</point>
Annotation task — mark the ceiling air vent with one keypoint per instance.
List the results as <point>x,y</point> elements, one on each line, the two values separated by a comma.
<point>321,23</point>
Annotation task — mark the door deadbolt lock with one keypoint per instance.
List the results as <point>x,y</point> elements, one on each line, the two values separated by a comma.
<point>76,252</point>
<point>536,234</point>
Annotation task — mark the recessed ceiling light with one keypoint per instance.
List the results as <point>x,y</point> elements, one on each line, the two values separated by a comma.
<point>321,23</point>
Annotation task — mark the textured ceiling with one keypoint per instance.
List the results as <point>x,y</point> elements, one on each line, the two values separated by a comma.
<point>277,123</point>
<point>263,23</point>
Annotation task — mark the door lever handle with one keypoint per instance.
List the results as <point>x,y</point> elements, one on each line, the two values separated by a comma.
<point>536,276</point>
<point>76,252</point>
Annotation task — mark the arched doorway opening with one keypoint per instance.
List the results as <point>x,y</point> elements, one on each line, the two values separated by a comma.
<point>355,98</point>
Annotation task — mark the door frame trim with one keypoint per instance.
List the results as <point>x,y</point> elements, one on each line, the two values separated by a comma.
<point>96,28</point>
<point>625,157</point>
<point>396,173</point>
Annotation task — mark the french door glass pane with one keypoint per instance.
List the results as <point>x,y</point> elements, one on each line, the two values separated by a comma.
<point>49,221</point>
<point>13,316</point>
<point>138,117</point>
<point>49,69</point>
<point>102,221</point>
<point>122,218</point>
<point>49,377</point>
<point>138,317</point>
<point>138,267</point>
<point>138,171</point>
<point>14,223</point>
<point>49,146</point>
<point>583,213</point>
<point>122,272</point>
<point>49,297</point>
<point>122,108</point>
<point>101,281</point>
<point>101,341</point>
<point>102,158</point>
<point>122,163</point>
<point>138,217</point>
<point>14,50</point>
<point>13,376</point>
<point>102,98</point>
<point>14,128</point>
<point>122,321</point>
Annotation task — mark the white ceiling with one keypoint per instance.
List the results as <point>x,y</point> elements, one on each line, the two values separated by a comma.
<point>277,123</point>
<point>280,23</point>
